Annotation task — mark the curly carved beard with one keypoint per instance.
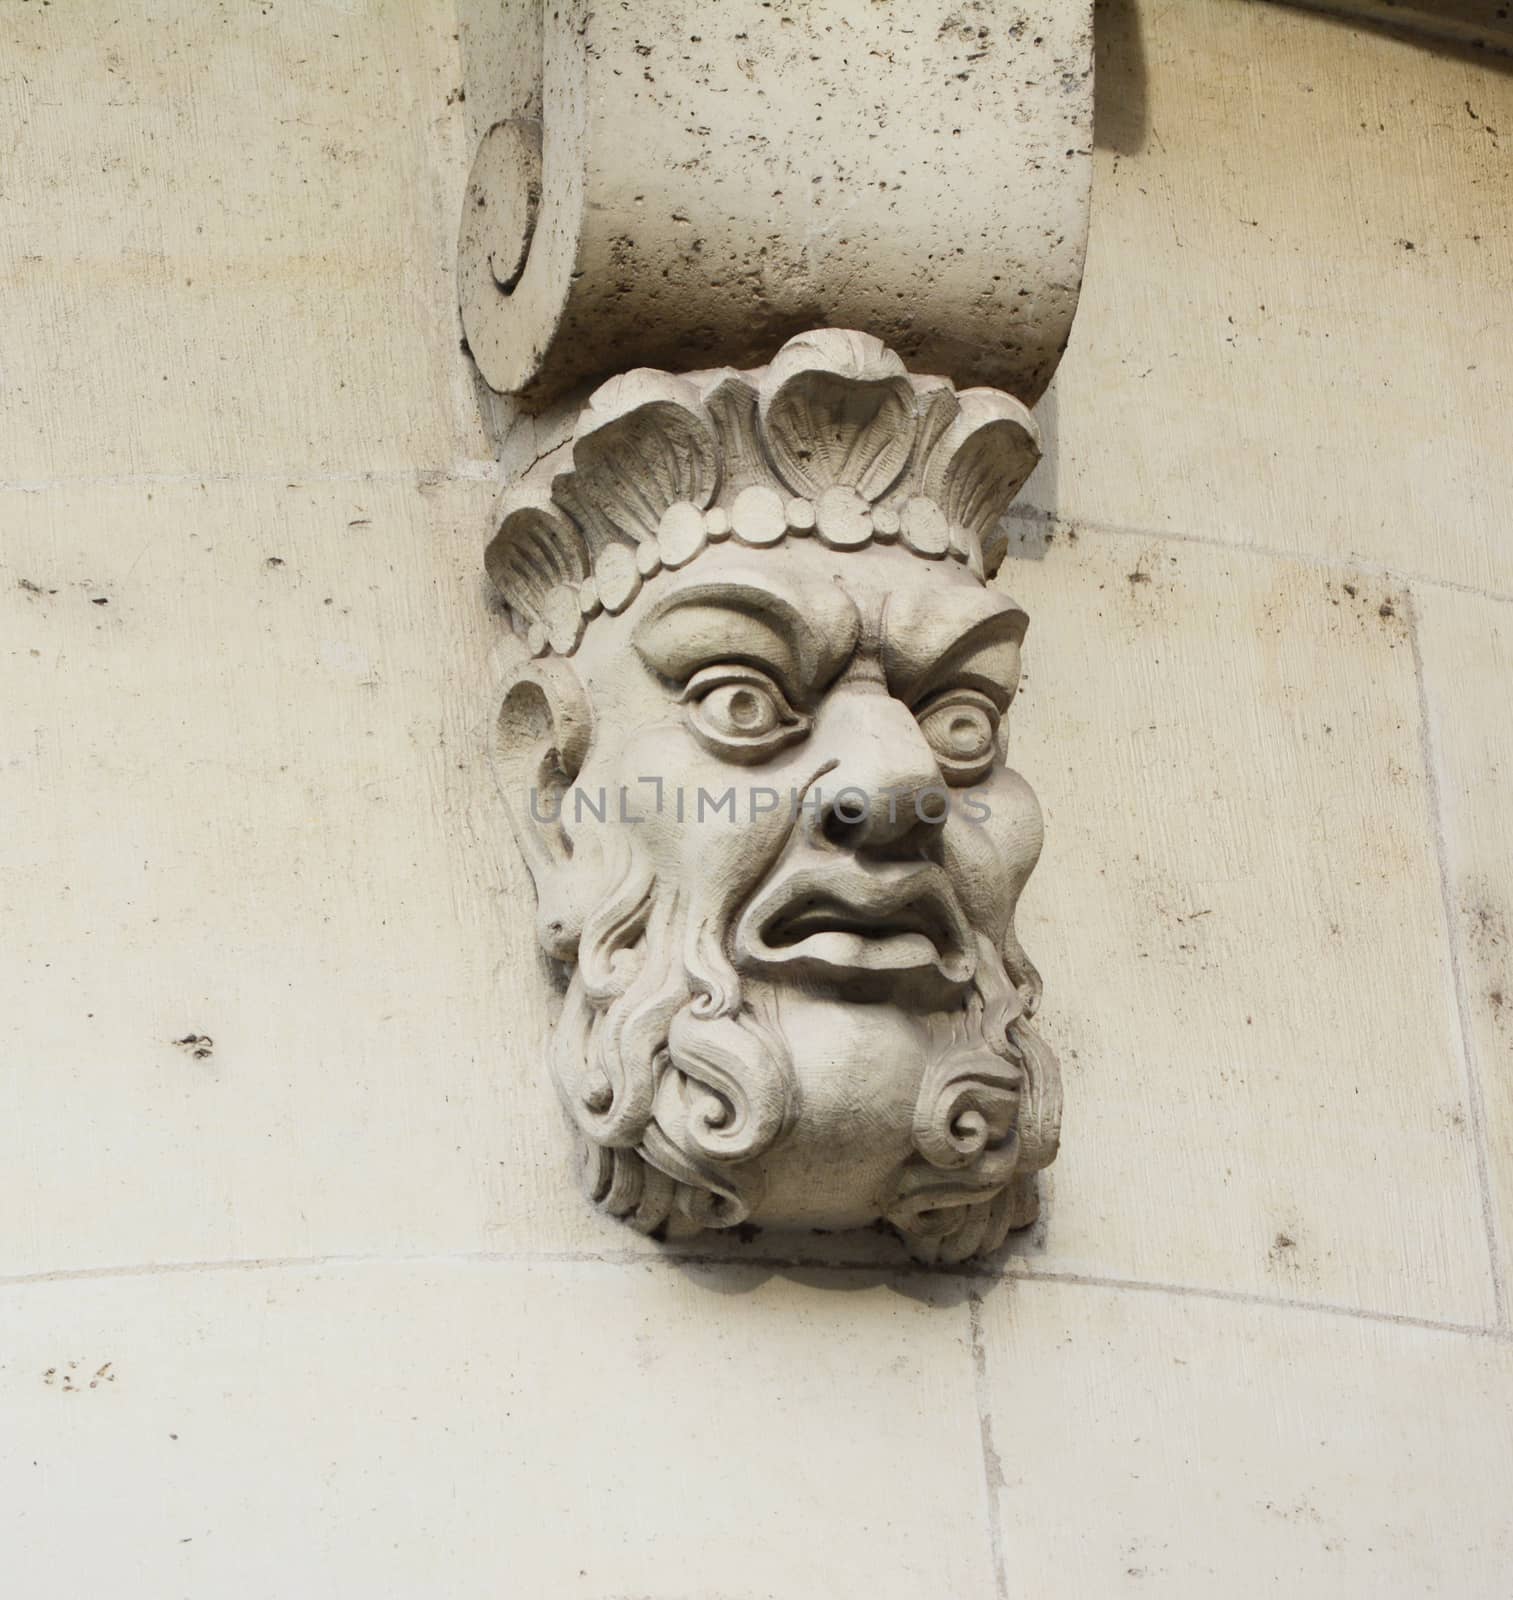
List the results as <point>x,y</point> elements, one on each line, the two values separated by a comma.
<point>678,1083</point>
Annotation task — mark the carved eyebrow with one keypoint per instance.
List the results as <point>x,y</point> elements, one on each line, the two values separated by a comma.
<point>948,636</point>
<point>754,618</point>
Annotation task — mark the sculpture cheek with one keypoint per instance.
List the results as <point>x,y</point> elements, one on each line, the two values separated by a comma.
<point>992,844</point>
<point>700,823</point>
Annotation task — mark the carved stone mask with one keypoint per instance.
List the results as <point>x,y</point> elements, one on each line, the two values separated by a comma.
<point>757,769</point>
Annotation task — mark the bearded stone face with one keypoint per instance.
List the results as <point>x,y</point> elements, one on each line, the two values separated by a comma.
<point>778,852</point>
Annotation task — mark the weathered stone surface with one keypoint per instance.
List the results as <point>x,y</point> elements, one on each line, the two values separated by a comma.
<point>242,917</point>
<point>1243,1450</point>
<point>1296,327</point>
<point>713,180</point>
<point>617,578</point>
<point>234,814</point>
<point>488,1428</point>
<point>758,517</point>
<point>680,534</point>
<point>924,528</point>
<point>227,237</point>
<point>1239,914</point>
<point>1467,648</point>
<point>841,519</point>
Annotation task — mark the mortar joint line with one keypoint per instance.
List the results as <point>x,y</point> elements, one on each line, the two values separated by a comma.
<point>1302,558</point>
<point>1470,1055</point>
<point>992,1464</point>
<point>983,1277</point>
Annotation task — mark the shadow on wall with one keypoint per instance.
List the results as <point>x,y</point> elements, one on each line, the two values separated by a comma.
<point>1493,15</point>
<point>1120,102</point>
<point>1488,16</point>
<point>1474,29</point>
<point>1484,27</point>
<point>937,1287</point>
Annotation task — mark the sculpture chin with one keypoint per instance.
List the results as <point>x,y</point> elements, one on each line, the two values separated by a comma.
<point>709,1099</point>
<point>858,1069</point>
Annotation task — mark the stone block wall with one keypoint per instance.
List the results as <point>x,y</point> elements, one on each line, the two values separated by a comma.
<point>297,1294</point>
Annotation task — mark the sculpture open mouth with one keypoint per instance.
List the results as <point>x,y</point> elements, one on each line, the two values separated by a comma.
<point>891,921</point>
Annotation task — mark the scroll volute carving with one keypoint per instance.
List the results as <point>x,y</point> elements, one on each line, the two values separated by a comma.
<point>671,183</point>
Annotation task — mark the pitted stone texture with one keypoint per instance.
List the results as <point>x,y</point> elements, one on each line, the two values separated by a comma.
<point>714,179</point>
<point>236,796</point>
<point>229,242</point>
<point>1301,339</point>
<point>1467,646</point>
<point>1240,893</point>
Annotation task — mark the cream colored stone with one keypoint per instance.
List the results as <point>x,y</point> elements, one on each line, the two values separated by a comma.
<point>501,42</point>
<point>1482,24</point>
<point>690,186</point>
<point>1467,648</point>
<point>271,988</point>
<point>680,534</point>
<point>810,1011</point>
<point>477,1429</point>
<point>841,519</point>
<point>563,616</point>
<point>1296,327</point>
<point>228,241</point>
<point>248,797</point>
<point>925,529</point>
<point>1221,1449</point>
<point>800,514</point>
<point>617,578</point>
<point>1239,915</point>
<point>717,524</point>
<point>758,517</point>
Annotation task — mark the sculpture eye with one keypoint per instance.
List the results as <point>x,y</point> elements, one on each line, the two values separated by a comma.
<point>962,727</point>
<point>740,713</point>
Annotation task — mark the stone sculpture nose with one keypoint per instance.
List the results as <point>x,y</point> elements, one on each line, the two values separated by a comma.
<point>885,791</point>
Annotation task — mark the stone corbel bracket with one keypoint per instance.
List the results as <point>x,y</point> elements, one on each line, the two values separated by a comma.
<point>751,585</point>
<point>682,184</point>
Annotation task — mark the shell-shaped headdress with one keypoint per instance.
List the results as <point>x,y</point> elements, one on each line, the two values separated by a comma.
<point>834,440</point>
